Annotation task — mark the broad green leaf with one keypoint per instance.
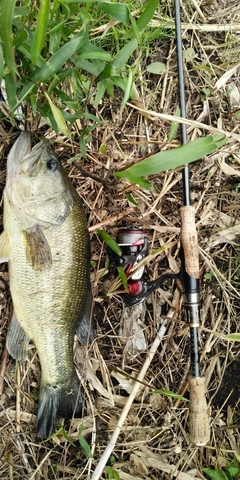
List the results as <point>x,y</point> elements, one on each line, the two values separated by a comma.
<point>174,158</point>
<point>157,67</point>
<point>112,474</point>
<point>215,474</point>
<point>40,30</point>
<point>58,116</point>
<point>21,11</point>
<point>119,11</point>
<point>103,149</point>
<point>105,237</point>
<point>189,54</point>
<point>6,16</point>
<point>174,127</point>
<point>58,59</point>
<point>233,471</point>
<point>142,182</point>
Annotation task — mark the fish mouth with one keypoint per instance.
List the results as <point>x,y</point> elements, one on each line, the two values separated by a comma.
<point>31,162</point>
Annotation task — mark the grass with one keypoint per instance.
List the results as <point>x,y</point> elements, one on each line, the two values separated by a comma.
<point>90,84</point>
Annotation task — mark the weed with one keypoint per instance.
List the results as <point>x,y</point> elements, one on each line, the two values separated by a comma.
<point>228,473</point>
<point>55,63</point>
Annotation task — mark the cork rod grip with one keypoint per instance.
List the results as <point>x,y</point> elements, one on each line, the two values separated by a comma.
<point>189,240</point>
<point>199,429</point>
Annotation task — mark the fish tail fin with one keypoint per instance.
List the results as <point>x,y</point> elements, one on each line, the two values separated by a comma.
<point>63,400</point>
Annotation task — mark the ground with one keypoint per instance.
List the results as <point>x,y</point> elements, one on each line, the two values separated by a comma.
<point>153,442</point>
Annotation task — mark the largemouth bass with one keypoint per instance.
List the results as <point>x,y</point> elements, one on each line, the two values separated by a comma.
<point>46,243</point>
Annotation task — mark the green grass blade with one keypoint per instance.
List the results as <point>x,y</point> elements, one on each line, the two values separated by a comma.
<point>58,117</point>
<point>59,58</point>
<point>105,237</point>
<point>174,158</point>
<point>84,444</point>
<point>40,30</point>
<point>169,393</point>
<point>233,337</point>
<point>123,277</point>
<point>128,90</point>
<point>1,63</point>
<point>6,16</point>
<point>174,127</point>
<point>147,15</point>
<point>125,53</point>
<point>11,90</point>
<point>104,56</point>
<point>119,11</point>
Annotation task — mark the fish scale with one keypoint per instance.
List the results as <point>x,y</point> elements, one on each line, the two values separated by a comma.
<point>49,274</point>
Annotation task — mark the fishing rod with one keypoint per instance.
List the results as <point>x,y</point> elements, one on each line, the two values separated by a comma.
<point>134,244</point>
<point>199,431</point>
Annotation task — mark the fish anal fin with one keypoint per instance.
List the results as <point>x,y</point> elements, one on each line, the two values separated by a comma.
<point>4,248</point>
<point>17,340</point>
<point>38,252</point>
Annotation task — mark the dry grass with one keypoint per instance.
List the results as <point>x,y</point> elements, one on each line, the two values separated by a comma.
<point>153,442</point>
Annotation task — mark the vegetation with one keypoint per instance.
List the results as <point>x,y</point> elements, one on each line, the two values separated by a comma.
<point>99,80</point>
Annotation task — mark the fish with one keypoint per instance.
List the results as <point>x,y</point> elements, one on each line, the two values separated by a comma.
<point>47,246</point>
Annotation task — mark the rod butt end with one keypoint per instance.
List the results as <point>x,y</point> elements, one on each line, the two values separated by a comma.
<point>199,429</point>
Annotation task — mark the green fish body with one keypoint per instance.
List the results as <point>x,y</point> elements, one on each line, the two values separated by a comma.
<point>46,243</point>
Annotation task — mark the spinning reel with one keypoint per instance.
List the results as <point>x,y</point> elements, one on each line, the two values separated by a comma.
<point>134,245</point>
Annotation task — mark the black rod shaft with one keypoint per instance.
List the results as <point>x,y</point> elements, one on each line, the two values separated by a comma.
<point>190,284</point>
<point>182,102</point>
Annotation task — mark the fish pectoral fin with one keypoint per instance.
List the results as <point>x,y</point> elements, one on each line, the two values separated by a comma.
<point>85,328</point>
<point>17,340</point>
<point>4,248</point>
<point>38,252</point>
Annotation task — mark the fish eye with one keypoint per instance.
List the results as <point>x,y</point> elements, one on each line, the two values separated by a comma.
<point>52,164</point>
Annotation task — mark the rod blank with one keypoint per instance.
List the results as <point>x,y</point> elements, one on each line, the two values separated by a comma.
<point>199,431</point>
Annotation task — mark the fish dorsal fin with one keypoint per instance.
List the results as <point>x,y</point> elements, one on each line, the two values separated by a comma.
<point>38,252</point>
<point>4,248</point>
<point>17,340</point>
